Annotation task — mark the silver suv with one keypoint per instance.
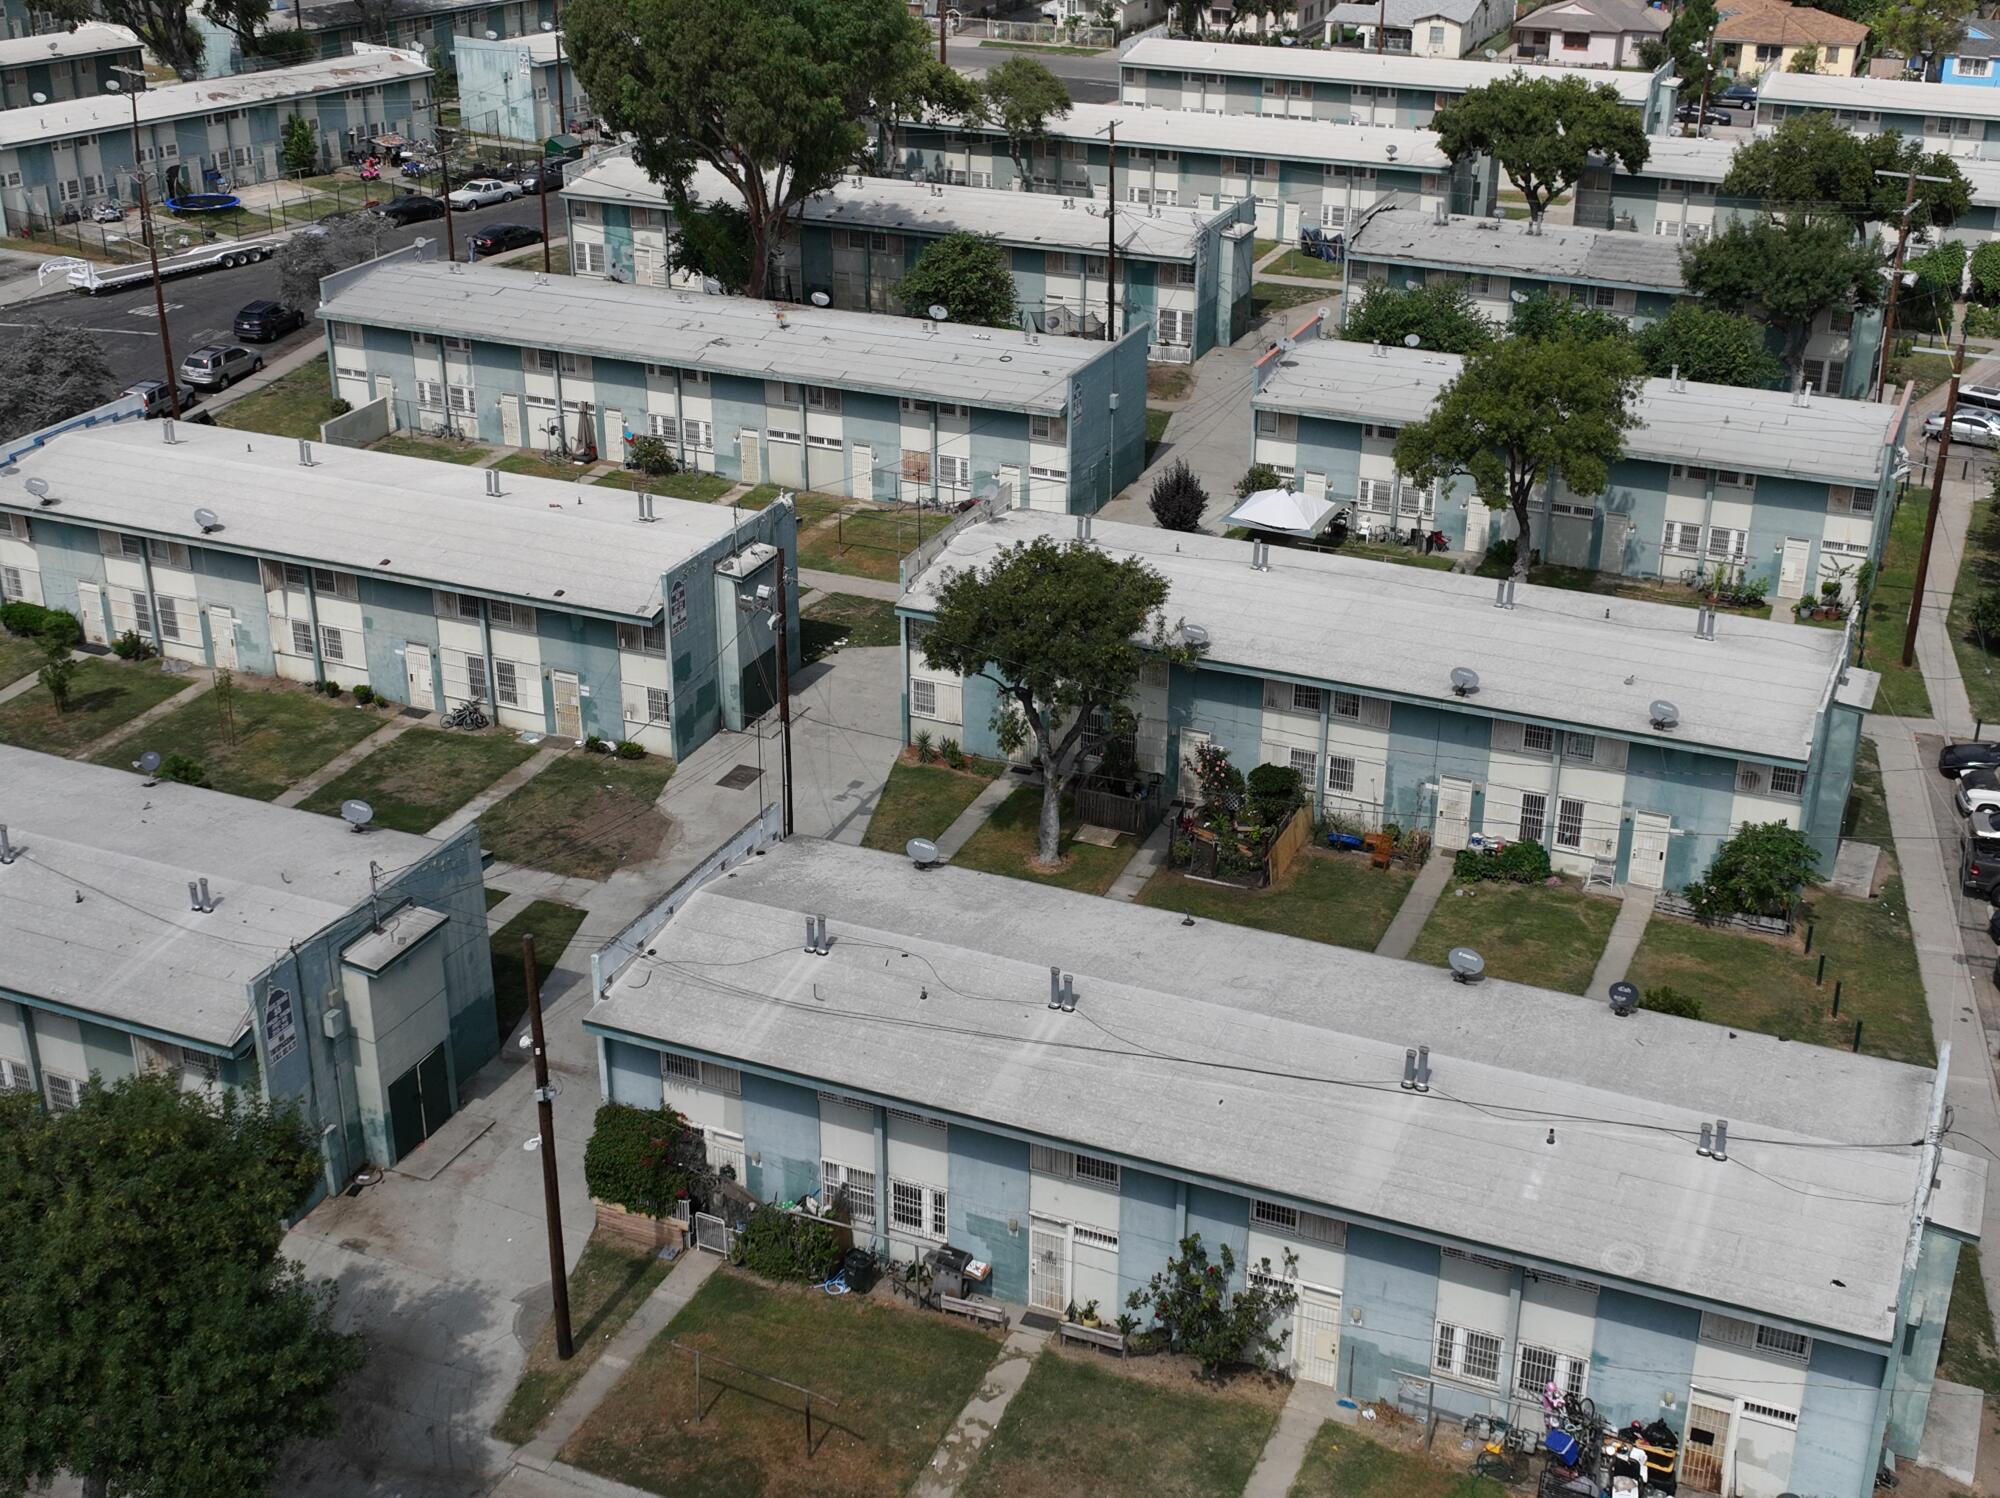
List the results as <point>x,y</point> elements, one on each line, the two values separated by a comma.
<point>218,366</point>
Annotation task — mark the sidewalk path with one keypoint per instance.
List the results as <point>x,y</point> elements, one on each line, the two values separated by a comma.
<point>1307,1407</point>
<point>840,582</point>
<point>1148,861</point>
<point>204,682</point>
<point>1623,943</point>
<point>1416,908</point>
<point>976,1423</point>
<point>342,762</point>
<point>502,788</point>
<point>969,821</point>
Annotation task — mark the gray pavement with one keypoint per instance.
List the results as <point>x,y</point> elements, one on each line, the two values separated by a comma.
<point>976,1423</point>
<point>969,821</point>
<point>1148,861</point>
<point>1416,908</point>
<point>1627,931</point>
<point>1307,1407</point>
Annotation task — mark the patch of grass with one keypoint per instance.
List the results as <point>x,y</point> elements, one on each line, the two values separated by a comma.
<point>1259,248</point>
<point>866,543</point>
<point>1866,819</point>
<point>1978,574</point>
<point>587,815</point>
<point>1010,836</point>
<point>292,405</point>
<point>1077,1427</point>
<point>1528,933</point>
<point>495,897</point>
<point>900,1379</point>
<point>705,487</point>
<point>103,695</point>
<point>1156,429</point>
<point>1168,382</point>
<point>1968,1354</point>
<point>1299,263</point>
<point>421,777</point>
<point>1331,897</point>
<point>1267,297</point>
<point>437,449</point>
<point>1766,984</point>
<point>1925,371</point>
<point>534,465</point>
<point>607,1285</point>
<point>19,657</point>
<point>812,506</point>
<point>1387,551</point>
<point>531,259</point>
<point>843,619</point>
<point>279,737</point>
<point>1343,1463</point>
<point>552,924</point>
<point>919,801</point>
<point>1902,693</point>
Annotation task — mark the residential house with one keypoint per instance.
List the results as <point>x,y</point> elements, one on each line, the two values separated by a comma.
<point>1185,273</point>
<point>1972,61</point>
<point>430,583</point>
<point>1424,28</point>
<point>60,65</point>
<point>433,27</point>
<point>1945,117</point>
<point>195,137</point>
<point>1456,1241</point>
<point>1589,33</point>
<point>1762,484</point>
<point>239,947</point>
<point>884,408</point>
<point>20,18</point>
<point>1298,171</point>
<point>1302,19</point>
<point>520,89</point>
<point>1760,37</point>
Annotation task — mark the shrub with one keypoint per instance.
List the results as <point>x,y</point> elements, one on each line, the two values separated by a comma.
<point>132,646</point>
<point>331,688</point>
<point>951,754</point>
<point>1524,862</point>
<point>1756,873</point>
<point>364,694</point>
<point>341,406</point>
<point>1503,553</point>
<point>595,745</point>
<point>1178,499</point>
<point>1221,782</point>
<point>182,770</point>
<point>1986,271</point>
<point>1195,1313</point>
<point>1258,476</point>
<point>1986,618</point>
<point>57,676</point>
<point>651,455</point>
<point>53,627</point>
<point>782,1246</point>
<point>1274,791</point>
<point>631,749</point>
<point>922,744</point>
<point>642,1159</point>
<point>1671,1001</point>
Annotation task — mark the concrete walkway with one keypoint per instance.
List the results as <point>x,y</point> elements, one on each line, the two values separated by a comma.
<point>1623,943</point>
<point>969,821</point>
<point>497,792</point>
<point>342,762</point>
<point>976,1423</point>
<point>840,582</point>
<point>1416,908</point>
<point>1148,861</point>
<point>674,1292</point>
<point>1307,1407</point>
<point>204,682</point>
<point>32,680</point>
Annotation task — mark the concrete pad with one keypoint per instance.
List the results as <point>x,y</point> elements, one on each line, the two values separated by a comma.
<point>1416,908</point>
<point>1098,837</point>
<point>976,1423</point>
<point>1854,868</point>
<point>1950,1442</point>
<point>428,1160</point>
<point>1622,945</point>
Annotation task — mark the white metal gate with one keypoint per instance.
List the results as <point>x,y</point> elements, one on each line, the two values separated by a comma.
<point>417,672</point>
<point>222,637</point>
<point>711,1233</point>
<point>1048,1265</point>
<point>1316,1338</point>
<point>725,1152</point>
<point>1792,569</point>
<point>1454,817</point>
<point>1647,868</point>
<point>1704,1454</point>
<point>569,705</point>
<point>90,604</point>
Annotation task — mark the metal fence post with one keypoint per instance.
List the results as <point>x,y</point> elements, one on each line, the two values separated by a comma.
<point>697,1386</point>
<point>809,1427</point>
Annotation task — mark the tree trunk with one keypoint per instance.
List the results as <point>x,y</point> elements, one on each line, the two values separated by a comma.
<point>1521,548</point>
<point>760,252</point>
<point>95,1487</point>
<point>1048,846</point>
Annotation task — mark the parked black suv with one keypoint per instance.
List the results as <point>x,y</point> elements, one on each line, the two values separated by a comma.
<point>266,322</point>
<point>412,208</point>
<point>1955,759</point>
<point>1979,855</point>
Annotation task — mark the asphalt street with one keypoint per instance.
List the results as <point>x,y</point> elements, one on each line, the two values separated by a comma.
<point>201,306</point>
<point>1091,80</point>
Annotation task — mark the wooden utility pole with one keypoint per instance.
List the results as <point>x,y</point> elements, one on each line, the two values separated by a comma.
<point>152,241</point>
<point>545,1099</point>
<point>1937,493</point>
<point>1912,178</point>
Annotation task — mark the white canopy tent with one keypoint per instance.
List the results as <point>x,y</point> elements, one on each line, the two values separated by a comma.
<point>1284,511</point>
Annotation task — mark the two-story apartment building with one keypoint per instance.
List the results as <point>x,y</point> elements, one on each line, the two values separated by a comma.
<point>1455,1244</point>
<point>1183,273</point>
<point>520,89</point>
<point>235,945</point>
<point>562,611</point>
<point>1343,84</point>
<point>433,27</point>
<point>60,65</point>
<point>1424,28</point>
<point>1297,170</point>
<point>1945,117</point>
<point>194,137</point>
<point>849,403</point>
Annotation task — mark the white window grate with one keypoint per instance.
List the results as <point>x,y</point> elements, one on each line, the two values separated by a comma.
<point>62,1094</point>
<point>14,1076</point>
<point>656,704</point>
<point>858,1184</point>
<point>1469,1354</point>
<point>679,1068</point>
<point>1306,764</point>
<point>1538,1367</point>
<point>917,1118</point>
<point>1340,774</point>
<point>1534,816</point>
<point>1538,738</point>
<point>923,698</point>
<point>1771,1412</point>
<point>917,1209</point>
<point>1103,1172</point>
<point>1095,1237</point>
<point>726,1080</point>
<point>1047,1160</point>
<point>1784,782</point>
<point>1569,823</point>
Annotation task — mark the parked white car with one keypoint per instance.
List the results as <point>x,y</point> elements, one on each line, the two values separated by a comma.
<point>1968,428</point>
<point>483,190</point>
<point>1976,789</point>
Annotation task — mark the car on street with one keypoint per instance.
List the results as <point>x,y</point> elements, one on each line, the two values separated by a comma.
<point>495,239</point>
<point>266,321</point>
<point>1976,789</point>
<point>1979,868</point>
<point>544,176</point>
<point>481,191</point>
<point>219,365</point>
<point>1694,114</point>
<point>108,213</point>
<point>1738,96</point>
<point>153,397</point>
<point>412,208</point>
<point>1985,397</point>
<point>1970,428</point>
<point>1955,759</point>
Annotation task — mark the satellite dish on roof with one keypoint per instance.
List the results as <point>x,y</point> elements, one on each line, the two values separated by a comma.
<point>1464,681</point>
<point>821,299</point>
<point>939,312</point>
<point>357,814</point>
<point>1517,297</point>
<point>1664,714</point>
<point>1467,966</point>
<point>40,489</point>
<point>208,520</point>
<point>922,851</point>
<point>1194,634</point>
<point>1411,340</point>
<point>39,98</point>
<point>1491,54</point>
<point>148,765</point>
<point>1624,998</point>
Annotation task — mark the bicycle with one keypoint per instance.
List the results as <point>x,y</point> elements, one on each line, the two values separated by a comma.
<point>466,715</point>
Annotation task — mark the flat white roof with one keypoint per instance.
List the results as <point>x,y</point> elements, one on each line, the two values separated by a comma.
<point>1566,658</point>
<point>1880,95</point>
<point>894,204</point>
<point>1557,252</point>
<point>542,47</point>
<point>1351,65</point>
<point>1694,159</point>
<point>88,40</point>
<point>1272,1064</point>
<point>412,520</point>
<point>173,101</point>
<point>130,949</point>
<point>1723,426</point>
<point>990,367</point>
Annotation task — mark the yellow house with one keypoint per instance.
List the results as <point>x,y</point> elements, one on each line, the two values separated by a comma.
<point>1763,36</point>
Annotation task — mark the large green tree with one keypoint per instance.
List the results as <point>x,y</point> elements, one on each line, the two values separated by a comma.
<point>774,94</point>
<point>1543,132</point>
<point>970,275</point>
<point>1708,346</point>
<point>1523,412</point>
<point>1814,165</point>
<point>167,26</point>
<point>1788,271</point>
<point>1060,631</point>
<point>711,239</point>
<point>54,370</point>
<point>153,1339</point>
<point>1929,29</point>
<point>1021,97</point>
<point>1442,317</point>
<point>1689,41</point>
<point>1546,318</point>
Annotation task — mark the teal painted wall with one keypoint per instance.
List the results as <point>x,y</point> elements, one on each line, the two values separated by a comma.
<point>1914,1366</point>
<point>633,1074</point>
<point>1644,1349</point>
<point>780,1139</point>
<point>987,1198</point>
<point>1835,1450</point>
<point>1390,1301</point>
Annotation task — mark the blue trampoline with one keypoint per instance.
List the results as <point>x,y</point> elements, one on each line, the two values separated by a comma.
<point>204,202</point>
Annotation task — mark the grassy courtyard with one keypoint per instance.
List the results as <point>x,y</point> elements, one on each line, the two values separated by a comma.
<point>1528,933</point>
<point>1331,897</point>
<point>1902,693</point>
<point>898,1376</point>
<point>1088,1427</point>
<point>919,801</point>
<point>1343,1463</point>
<point>552,924</point>
<point>843,619</point>
<point>1009,839</point>
<point>607,1285</point>
<point>437,449</point>
<point>705,487</point>
<point>1267,297</point>
<point>534,465</point>
<point>865,543</point>
<point>104,695</point>
<point>422,777</point>
<point>293,405</point>
<point>19,657</point>
<point>255,743</point>
<point>586,815</point>
<point>1867,816</point>
<point>1299,263</point>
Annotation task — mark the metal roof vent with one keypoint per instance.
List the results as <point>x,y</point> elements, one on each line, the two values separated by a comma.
<point>816,941</point>
<point>1664,714</point>
<point>1467,966</point>
<point>1464,681</point>
<point>1624,998</point>
<point>1062,990</point>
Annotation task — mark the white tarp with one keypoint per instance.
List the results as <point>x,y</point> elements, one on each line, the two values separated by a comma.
<point>1282,510</point>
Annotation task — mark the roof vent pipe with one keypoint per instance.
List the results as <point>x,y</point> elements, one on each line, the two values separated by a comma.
<point>822,946</point>
<point>493,482</point>
<point>1706,1149</point>
<point>1438,216</point>
<point>194,895</point>
<point>6,847</point>
<point>1410,1070</point>
<point>305,453</point>
<point>1055,988</point>
<point>1500,594</point>
<point>646,507</point>
<point>1423,1083</point>
<point>1083,527</point>
<point>1722,1139</point>
<point>1069,993</point>
<point>167,431</point>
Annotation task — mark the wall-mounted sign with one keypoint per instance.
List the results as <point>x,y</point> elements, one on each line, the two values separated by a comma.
<point>281,1030</point>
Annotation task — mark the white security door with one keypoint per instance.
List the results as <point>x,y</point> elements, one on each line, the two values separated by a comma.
<point>90,604</point>
<point>417,672</point>
<point>1193,741</point>
<point>510,420</point>
<point>1477,514</point>
<point>1792,570</point>
<point>612,445</point>
<point>752,466</point>
<point>1650,838</point>
<point>1009,478</point>
<point>1705,1450</point>
<point>384,386</point>
<point>222,637</point>
<point>725,1151</point>
<point>1568,541</point>
<point>1316,1337</point>
<point>569,705</point>
<point>1611,552</point>
<point>1048,1265</point>
<point>1454,818</point>
<point>864,472</point>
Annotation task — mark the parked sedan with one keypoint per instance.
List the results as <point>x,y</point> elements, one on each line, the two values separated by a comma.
<point>1955,759</point>
<point>1739,96</point>
<point>481,191</point>
<point>497,238</point>
<point>218,366</point>
<point>1694,114</point>
<point>412,208</point>
<point>266,321</point>
<point>153,400</point>
<point>1976,788</point>
<point>1972,428</point>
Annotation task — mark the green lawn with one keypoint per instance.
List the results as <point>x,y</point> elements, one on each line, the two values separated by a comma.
<point>531,259</point>
<point>607,1285</point>
<point>1156,428</point>
<point>1968,1354</point>
<point>843,619</point>
<point>1083,1427</point>
<point>1528,933</point>
<point>420,778</point>
<point>1331,897</point>
<point>438,449</point>
<point>1343,1463</point>
<point>19,657</point>
<point>1902,693</point>
<point>1299,263</point>
<point>683,485</point>
<point>266,741</point>
<point>919,801</point>
<point>1762,984</point>
<point>587,815</point>
<point>1386,551</point>
<point>495,897</point>
<point>1923,370</point>
<point>1044,47</point>
<point>1274,296</point>
<point>1867,816</point>
<point>293,405</point>
<point>811,507</point>
<point>867,543</point>
<point>1009,839</point>
<point>104,694</point>
<point>1168,382</point>
<point>1978,574</point>
<point>552,924</point>
<point>899,1378</point>
<point>534,465</point>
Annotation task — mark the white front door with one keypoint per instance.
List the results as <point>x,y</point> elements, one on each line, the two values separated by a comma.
<point>613,447</point>
<point>384,386</point>
<point>1792,570</point>
<point>1650,837</point>
<point>569,705</point>
<point>1193,741</point>
<point>1454,818</point>
<point>222,637</point>
<point>510,420</point>
<point>417,672</point>
<point>1705,1449</point>
<point>752,469</point>
<point>1611,550</point>
<point>1048,1265</point>
<point>863,458</point>
<point>90,604</point>
<point>1477,513</point>
<point>1012,495</point>
<point>1315,1349</point>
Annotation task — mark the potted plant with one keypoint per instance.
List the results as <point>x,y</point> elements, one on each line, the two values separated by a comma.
<point>1089,1317</point>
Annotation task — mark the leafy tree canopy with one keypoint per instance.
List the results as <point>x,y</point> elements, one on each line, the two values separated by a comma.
<point>1756,873</point>
<point>310,256</point>
<point>1543,132</point>
<point>53,370</point>
<point>1021,96</point>
<point>1548,318</point>
<point>1805,60</point>
<point>1929,29</point>
<point>298,139</point>
<point>1790,271</point>
<point>970,275</point>
<point>711,239</point>
<point>167,26</point>
<point>1688,43</point>
<point>1815,165</point>
<point>1178,499</point>
<point>1709,346</point>
<point>1442,317</point>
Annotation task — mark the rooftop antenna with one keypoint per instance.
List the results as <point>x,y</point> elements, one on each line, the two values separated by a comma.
<point>922,852</point>
<point>148,765</point>
<point>357,814</point>
<point>208,520</point>
<point>821,299</point>
<point>1467,966</point>
<point>1464,681</point>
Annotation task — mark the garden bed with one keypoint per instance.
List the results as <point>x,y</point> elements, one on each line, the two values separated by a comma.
<point>1336,898</point>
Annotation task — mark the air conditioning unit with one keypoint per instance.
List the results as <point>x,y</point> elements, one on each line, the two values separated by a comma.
<point>333,1023</point>
<point>1749,780</point>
